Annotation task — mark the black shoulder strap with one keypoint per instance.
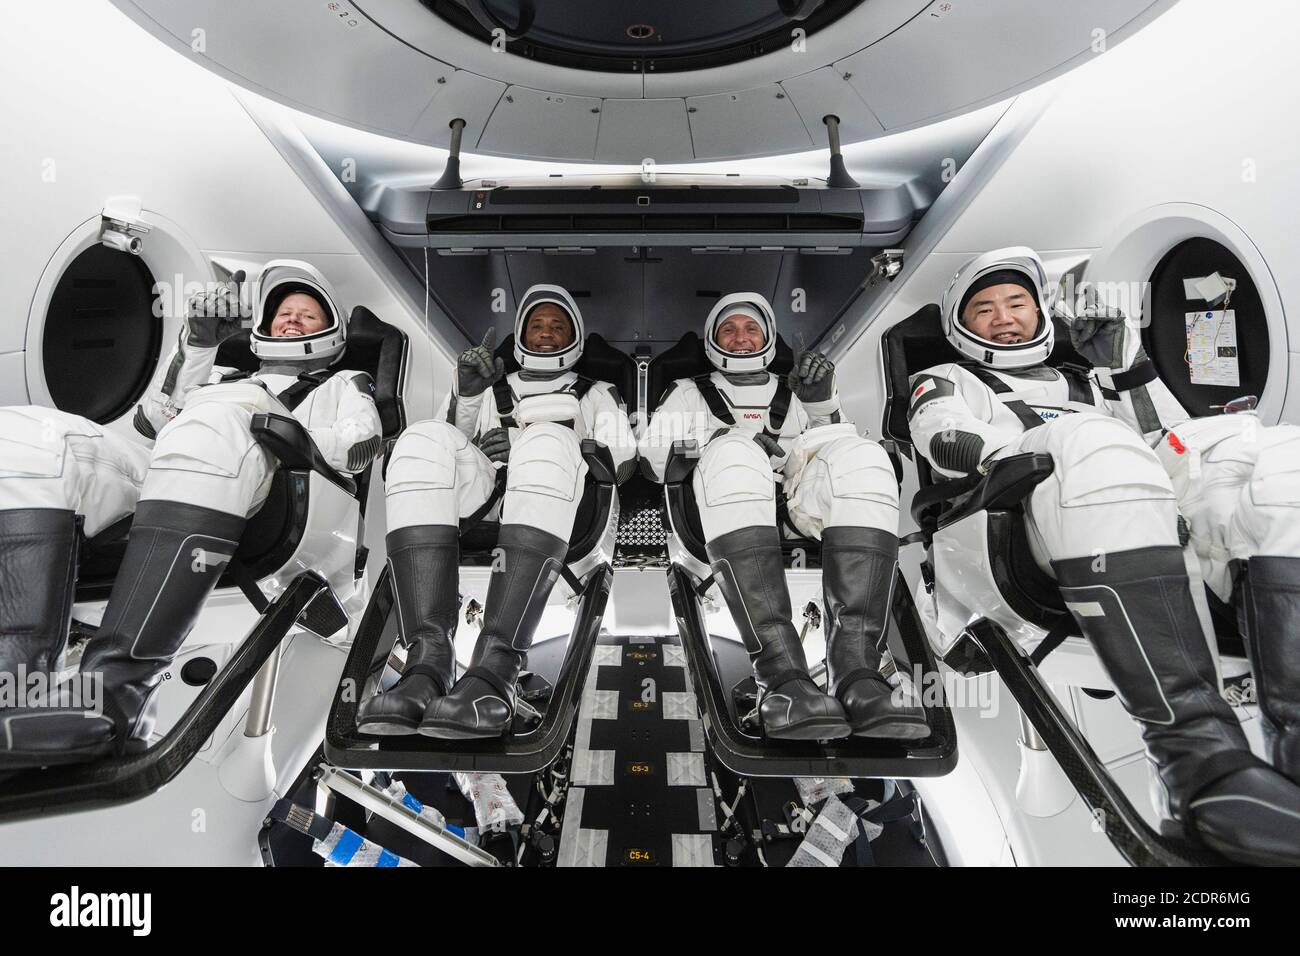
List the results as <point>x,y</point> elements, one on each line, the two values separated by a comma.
<point>713,398</point>
<point>1076,378</point>
<point>1028,417</point>
<point>505,400</point>
<point>308,382</point>
<point>582,385</point>
<point>778,409</point>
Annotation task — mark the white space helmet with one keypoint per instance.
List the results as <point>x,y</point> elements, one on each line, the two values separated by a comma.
<point>756,307</point>
<point>281,278</point>
<point>989,269</point>
<point>566,357</point>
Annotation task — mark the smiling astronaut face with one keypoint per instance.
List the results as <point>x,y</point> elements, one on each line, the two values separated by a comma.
<point>299,314</point>
<point>548,329</point>
<point>1005,314</point>
<point>740,334</point>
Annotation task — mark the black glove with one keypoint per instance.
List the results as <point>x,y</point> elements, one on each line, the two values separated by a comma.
<point>813,377</point>
<point>769,444</point>
<point>477,369</point>
<point>214,316</point>
<point>1098,332</point>
<point>495,444</point>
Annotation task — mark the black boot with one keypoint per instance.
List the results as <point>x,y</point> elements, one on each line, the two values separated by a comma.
<point>1138,615</point>
<point>38,576</point>
<point>858,567</point>
<point>174,557</point>
<point>747,566</point>
<point>424,562</point>
<point>1268,611</point>
<point>482,704</point>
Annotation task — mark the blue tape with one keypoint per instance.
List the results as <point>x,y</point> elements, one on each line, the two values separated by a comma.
<point>387,859</point>
<point>346,848</point>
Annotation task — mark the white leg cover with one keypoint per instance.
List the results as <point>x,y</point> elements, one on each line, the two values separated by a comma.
<point>1108,492</point>
<point>50,459</point>
<point>734,486</point>
<point>849,482</point>
<point>207,455</point>
<point>544,479</point>
<point>1238,486</point>
<point>1267,521</point>
<point>435,476</point>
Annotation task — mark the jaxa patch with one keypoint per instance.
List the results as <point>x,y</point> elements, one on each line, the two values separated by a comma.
<point>928,389</point>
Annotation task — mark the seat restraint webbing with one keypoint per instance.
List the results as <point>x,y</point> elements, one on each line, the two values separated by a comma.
<point>1028,417</point>
<point>505,399</point>
<point>778,408</point>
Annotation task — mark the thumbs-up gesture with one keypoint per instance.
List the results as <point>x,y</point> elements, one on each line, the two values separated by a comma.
<point>477,368</point>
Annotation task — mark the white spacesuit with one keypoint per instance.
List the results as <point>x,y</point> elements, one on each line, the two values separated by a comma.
<point>444,470</point>
<point>1106,525</point>
<point>757,430</point>
<point>190,495</point>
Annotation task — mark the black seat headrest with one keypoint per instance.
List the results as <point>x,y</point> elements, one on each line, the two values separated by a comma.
<point>600,361</point>
<point>918,343</point>
<point>688,359</point>
<point>374,347</point>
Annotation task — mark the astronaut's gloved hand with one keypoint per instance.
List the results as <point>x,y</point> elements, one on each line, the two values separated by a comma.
<point>212,317</point>
<point>769,444</point>
<point>813,378</point>
<point>1100,333</point>
<point>495,444</point>
<point>477,369</point>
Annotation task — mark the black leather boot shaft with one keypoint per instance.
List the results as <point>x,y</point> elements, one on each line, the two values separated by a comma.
<point>1268,612</point>
<point>1135,608</point>
<point>1139,617</point>
<point>38,575</point>
<point>423,564</point>
<point>483,700</point>
<point>750,574</point>
<point>174,557</point>
<point>858,568</point>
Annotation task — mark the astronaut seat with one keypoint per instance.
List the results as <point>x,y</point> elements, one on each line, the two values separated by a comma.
<point>539,730</point>
<point>1009,615</point>
<point>300,562</point>
<point>313,517</point>
<point>734,732</point>
<point>956,515</point>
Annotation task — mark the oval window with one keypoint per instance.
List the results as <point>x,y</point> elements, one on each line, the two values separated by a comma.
<point>1207,356</point>
<point>101,337</point>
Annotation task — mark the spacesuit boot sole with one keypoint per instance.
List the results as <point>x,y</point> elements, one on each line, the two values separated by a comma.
<point>891,728</point>
<point>815,728</point>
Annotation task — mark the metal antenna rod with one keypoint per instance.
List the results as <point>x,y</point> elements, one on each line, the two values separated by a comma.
<point>839,177</point>
<point>450,178</point>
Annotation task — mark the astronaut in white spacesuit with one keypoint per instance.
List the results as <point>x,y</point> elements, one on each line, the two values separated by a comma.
<point>757,430</point>
<point>190,495</point>
<point>1106,525</point>
<point>442,470</point>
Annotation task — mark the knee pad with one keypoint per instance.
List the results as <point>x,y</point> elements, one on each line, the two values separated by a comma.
<point>34,440</point>
<point>1268,518</point>
<point>859,469</point>
<point>424,457</point>
<point>212,439</point>
<point>1101,460</point>
<point>546,459</point>
<point>734,468</point>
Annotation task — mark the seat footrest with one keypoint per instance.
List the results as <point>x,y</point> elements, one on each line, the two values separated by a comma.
<point>749,755</point>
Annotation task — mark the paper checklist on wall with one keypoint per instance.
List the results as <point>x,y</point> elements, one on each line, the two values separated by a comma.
<point>1212,348</point>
